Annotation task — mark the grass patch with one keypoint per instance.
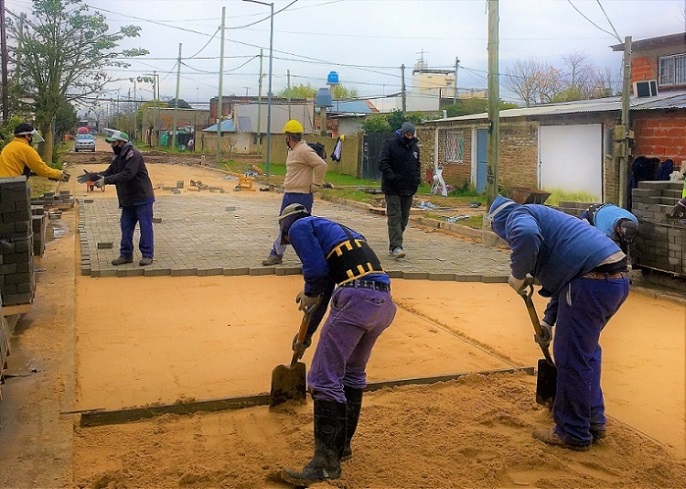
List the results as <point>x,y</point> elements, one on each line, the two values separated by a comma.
<point>557,196</point>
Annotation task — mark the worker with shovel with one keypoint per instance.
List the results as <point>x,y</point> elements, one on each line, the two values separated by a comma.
<point>338,265</point>
<point>584,274</point>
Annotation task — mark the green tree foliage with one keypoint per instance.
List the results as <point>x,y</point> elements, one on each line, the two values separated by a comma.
<point>60,53</point>
<point>7,130</point>
<point>307,91</point>
<point>65,118</point>
<point>474,106</point>
<point>391,122</point>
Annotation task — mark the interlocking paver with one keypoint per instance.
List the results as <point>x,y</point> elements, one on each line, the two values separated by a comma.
<point>197,236</point>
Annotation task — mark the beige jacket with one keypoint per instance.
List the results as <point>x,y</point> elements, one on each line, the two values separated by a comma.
<point>303,169</point>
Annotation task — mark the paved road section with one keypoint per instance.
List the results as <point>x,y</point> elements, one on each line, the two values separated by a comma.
<point>225,234</point>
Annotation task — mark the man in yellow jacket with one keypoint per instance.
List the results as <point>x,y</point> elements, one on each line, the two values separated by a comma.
<point>19,155</point>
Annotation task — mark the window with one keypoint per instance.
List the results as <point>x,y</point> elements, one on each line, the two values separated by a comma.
<point>672,70</point>
<point>453,147</point>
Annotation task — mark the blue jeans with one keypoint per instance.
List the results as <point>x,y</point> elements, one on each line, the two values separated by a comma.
<point>130,215</point>
<point>585,307</point>
<point>357,318</point>
<point>289,198</point>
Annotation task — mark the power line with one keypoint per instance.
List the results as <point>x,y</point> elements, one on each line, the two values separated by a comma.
<point>589,20</point>
<point>608,20</point>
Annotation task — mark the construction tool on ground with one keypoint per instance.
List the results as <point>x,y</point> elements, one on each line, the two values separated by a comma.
<point>244,181</point>
<point>288,381</point>
<point>546,377</point>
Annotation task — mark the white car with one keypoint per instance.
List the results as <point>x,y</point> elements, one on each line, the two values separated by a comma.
<point>84,142</point>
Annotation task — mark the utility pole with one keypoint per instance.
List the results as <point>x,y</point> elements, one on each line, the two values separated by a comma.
<point>404,94</point>
<point>269,95</point>
<point>288,73</point>
<point>221,89</point>
<point>457,64</point>
<point>3,34</point>
<point>626,135</point>
<point>493,105</point>
<point>176,106</point>
<point>259,108</point>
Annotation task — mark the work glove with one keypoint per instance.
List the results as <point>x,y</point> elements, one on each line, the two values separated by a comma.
<point>87,177</point>
<point>520,285</point>
<point>99,182</point>
<point>679,210</point>
<point>301,347</point>
<point>327,185</point>
<point>65,177</point>
<point>546,335</point>
<point>307,302</point>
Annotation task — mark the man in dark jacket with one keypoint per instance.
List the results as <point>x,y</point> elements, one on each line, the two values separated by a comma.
<point>400,177</point>
<point>128,174</point>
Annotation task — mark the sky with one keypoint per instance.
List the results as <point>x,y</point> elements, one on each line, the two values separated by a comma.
<point>364,41</point>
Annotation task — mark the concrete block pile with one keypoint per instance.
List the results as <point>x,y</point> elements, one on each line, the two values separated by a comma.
<point>4,346</point>
<point>52,199</point>
<point>39,224</point>
<point>661,240</point>
<point>17,279</point>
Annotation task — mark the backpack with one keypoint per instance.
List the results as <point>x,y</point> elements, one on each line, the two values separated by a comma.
<point>318,148</point>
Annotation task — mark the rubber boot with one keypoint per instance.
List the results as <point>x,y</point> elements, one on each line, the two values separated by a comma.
<point>353,406</point>
<point>329,437</point>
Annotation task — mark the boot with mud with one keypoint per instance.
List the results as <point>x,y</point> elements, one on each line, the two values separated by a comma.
<point>353,406</point>
<point>329,437</point>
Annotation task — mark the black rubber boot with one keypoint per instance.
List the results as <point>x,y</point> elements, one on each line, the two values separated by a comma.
<point>329,437</point>
<point>353,406</point>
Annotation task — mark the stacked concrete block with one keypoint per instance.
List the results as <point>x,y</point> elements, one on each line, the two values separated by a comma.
<point>574,208</point>
<point>17,280</point>
<point>661,240</point>
<point>40,229</point>
<point>52,199</point>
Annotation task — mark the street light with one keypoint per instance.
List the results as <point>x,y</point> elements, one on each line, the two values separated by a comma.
<point>269,93</point>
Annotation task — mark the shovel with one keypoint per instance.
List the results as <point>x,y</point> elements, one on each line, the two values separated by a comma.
<point>288,381</point>
<point>546,381</point>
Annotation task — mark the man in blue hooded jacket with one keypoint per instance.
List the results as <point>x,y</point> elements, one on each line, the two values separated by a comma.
<point>584,274</point>
<point>618,224</point>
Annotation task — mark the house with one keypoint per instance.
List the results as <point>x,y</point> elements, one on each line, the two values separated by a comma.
<point>347,116</point>
<point>566,146</point>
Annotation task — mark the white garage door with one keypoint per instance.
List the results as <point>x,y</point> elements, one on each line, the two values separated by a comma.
<point>572,158</point>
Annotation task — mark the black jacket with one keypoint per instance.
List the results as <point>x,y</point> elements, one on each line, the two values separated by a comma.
<point>399,166</point>
<point>129,174</point>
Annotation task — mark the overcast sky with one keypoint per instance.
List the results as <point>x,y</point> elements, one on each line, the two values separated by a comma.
<point>365,41</point>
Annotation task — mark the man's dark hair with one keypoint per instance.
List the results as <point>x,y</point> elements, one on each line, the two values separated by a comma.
<point>295,136</point>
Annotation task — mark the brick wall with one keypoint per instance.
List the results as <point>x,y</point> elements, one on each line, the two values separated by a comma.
<point>643,68</point>
<point>661,135</point>
<point>518,155</point>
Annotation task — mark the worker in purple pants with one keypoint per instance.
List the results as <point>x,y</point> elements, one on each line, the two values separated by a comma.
<point>339,269</point>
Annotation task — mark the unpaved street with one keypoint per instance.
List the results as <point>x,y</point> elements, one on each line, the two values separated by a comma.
<point>113,342</point>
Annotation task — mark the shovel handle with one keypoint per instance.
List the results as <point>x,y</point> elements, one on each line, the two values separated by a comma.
<point>526,295</point>
<point>302,332</point>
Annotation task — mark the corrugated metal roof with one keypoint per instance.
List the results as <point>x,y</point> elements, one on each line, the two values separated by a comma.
<point>668,100</point>
<point>350,106</point>
<point>227,126</point>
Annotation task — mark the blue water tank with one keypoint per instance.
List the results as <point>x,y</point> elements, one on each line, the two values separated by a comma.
<point>332,78</point>
<point>323,98</point>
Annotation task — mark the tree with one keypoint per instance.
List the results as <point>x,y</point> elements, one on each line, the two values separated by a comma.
<point>538,83</point>
<point>60,53</point>
<point>307,91</point>
<point>391,122</point>
<point>65,118</point>
<point>474,106</point>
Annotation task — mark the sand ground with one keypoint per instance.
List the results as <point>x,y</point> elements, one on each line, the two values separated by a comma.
<point>114,343</point>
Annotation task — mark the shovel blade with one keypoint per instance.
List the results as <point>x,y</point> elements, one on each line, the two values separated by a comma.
<point>546,383</point>
<point>288,384</point>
